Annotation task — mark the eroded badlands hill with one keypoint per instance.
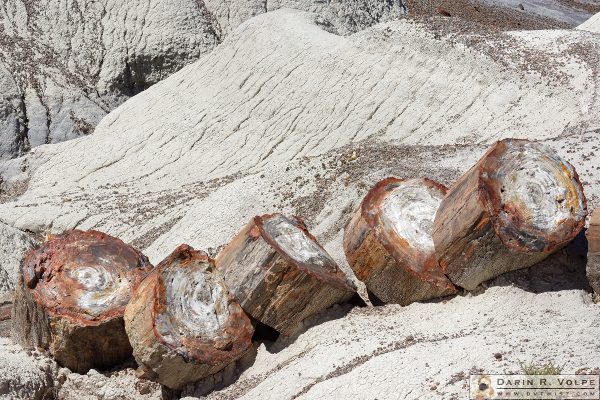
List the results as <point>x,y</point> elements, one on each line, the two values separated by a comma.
<point>65,64</point>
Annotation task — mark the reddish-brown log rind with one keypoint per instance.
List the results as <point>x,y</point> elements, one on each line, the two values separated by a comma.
<point>593,261</point>
<point>46,313</point>
<point>40,266</point>
<point>274,287</point>
<point>179,359</point>
<point>477,237</point>
<point>391,269</point>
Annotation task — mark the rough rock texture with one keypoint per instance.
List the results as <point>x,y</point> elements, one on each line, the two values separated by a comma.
<point>29,375</point>
<point>363,351</point>
<point>280,274</point>
<point>593,256</point>
<point>518,204</point>
<point>183,323</point>
<point>64,64</point>
<point>388,241</point>
<point>342,16</point>
<point>71,297</point>
<point>116,385</point>
<point>24,374</point>
<point>13,246</point>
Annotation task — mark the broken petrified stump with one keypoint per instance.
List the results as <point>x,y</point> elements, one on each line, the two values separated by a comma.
<point>280,274</point>
<point>518,204</point>
<point>182,322</point>
<point>71,297</point>
<point>593,261</point>
<point>388,241</point>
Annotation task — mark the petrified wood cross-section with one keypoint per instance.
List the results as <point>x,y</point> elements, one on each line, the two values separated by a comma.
<point>593,261</point>
<point>182,322</point>
<point>280,274</point>
<point>388,241</point>
<point>518,204</point>
<point>72,295</point>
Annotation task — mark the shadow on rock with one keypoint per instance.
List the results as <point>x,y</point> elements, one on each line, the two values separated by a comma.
<point>336,312</point>
<point>218,381</point>
<point>563,270</point>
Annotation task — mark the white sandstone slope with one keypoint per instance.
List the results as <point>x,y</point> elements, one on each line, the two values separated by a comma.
<point>424,351</point>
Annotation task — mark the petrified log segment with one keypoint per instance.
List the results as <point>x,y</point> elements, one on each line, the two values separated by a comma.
<point>388,241</point>
<point>280,274</point>
<point>518,204</point>
<point>72,295</point>
<point>593,261</point>
<point>182,322</point>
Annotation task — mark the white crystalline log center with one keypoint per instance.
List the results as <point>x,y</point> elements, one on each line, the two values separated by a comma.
<point>102,288</point>
<point>196,303</point>
<point>537,184</point>
<point>409,211</point>
<point>296,244</point>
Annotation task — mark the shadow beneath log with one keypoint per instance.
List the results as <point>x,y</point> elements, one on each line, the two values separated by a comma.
<point>563,270</point>
<point>130,363</point>
<point>336,312</point>
<point>375,301</point>
<point>442,299</point>
<point>264,333</point>
<point>357,301</point>
<point>218,381</point>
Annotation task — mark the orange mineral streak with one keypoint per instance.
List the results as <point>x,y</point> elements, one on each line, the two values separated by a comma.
<point>46,273</point>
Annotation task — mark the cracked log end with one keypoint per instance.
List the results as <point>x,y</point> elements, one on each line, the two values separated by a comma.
<point>280,274</point>
<point>518,204</point>
<point>72,295</point>
<point>593,262</point>
<point>388,241</point>
<point>182,322</point>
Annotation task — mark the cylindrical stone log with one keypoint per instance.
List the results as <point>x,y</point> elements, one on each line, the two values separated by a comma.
<point>593,261</point>
<point>183,323</point>
<point>388,241</point>
<point>280,274</point>
<point>71,297</point>
<point>517,205</point>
